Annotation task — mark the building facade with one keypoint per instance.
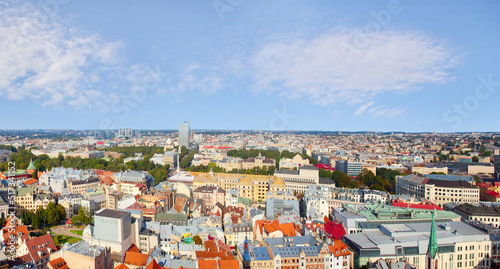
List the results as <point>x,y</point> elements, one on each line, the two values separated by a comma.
<point>184,133</point>
<point>438,191</point>
<point>458,245</point>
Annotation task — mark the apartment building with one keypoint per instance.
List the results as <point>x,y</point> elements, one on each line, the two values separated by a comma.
<point>458,245</point>
<point>28,200</point>
<point>438,191</point>
<point>112,198</point>
<point>253,187</point>
<point>295,162</point>
<point>81,186</point>
<point>299,180</point>
<point>259,161</point>
<point>210,195</point>
<point>132,189</point>
<point>489,215</point>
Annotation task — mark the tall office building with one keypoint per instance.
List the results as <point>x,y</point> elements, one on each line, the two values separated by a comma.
<point>496,160</point>
<point>184,134</point>
<point>348,167</point>
<point>125,132</point>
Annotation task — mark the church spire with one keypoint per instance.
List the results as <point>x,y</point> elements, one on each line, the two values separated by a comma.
<point>432,250</point>
<point>433,246</point>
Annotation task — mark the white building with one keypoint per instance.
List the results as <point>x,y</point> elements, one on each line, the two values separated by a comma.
<point>438,191</point>
<point>459,245</point>
<point>232,196</point>
<point>295,162</point>
<point>316,202</point>
<point>299,180</point>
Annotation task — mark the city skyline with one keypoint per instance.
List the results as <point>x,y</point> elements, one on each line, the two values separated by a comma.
<point>239,65</point>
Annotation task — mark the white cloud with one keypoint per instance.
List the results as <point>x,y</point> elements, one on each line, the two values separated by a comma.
<point>363,108</point>
<point>197,77</point>
<point>48,61</point>
<point>378,111</point>
<point>324,71</point>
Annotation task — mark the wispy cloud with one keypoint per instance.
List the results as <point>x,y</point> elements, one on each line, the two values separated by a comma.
<point>48,61</point>
<point>363,108</point>
<point>321,70</point>
<point>196,77</point>
<point>378,111</point>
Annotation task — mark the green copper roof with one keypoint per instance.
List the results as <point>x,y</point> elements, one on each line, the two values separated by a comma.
<point>31,166</point>
<point>433,245</point>
<point>387,213</point>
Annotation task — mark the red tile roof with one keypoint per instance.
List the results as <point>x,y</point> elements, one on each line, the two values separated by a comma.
<point>207,264</point>
<point>40,247</point>
<point>338,249</point>
<point>229,264</point>
<point>334,230</point>
<point>136,258</point>
<point>422,205</point>
<point>133,248</point>
<point>153,265</point>
<point>288,229</point>
<point>122,266</point>
<point>18,231</point>
<point>325,166</point>
<point>59,263</point>
<point>30,181</point>
<point>215,249</point>
<point>493,193</point>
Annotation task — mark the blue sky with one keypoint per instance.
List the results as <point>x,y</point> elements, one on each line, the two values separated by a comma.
<point>239,64</point>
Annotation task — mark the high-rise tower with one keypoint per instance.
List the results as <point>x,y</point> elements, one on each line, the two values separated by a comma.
<point>184,133</point>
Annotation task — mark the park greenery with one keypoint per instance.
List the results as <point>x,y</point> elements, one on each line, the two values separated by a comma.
<point>42,218</point>
<point>77,232</point>
<point>61,239</point>
<point>84,217</point>
<point>384,180</point>
<point>186,160</point>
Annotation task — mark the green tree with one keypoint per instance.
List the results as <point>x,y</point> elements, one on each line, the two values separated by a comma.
<point>38,218</point>
<point>61,212</point>
<point>51,214</point>
<point>83,217</point>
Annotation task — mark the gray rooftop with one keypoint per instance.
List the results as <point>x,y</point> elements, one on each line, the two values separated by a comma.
<point>111,213</point>
<point>83,248</point>
<point>414,235</point>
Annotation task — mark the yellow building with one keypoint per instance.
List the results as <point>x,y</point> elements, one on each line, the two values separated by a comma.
<point>27,200</point>
<point>204,179</point>
<point>253,187</point>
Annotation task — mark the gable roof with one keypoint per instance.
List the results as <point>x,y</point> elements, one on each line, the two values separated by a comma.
<point>207,264</point>
<point>153,265</point>
<point>136,258</point>
<point>18,231</point>
<point>229,264</point>
<point>30,181</point>
<point>339,249</point>
<point>41,247</point>
<point>133,248</point>
<point>59,263</point>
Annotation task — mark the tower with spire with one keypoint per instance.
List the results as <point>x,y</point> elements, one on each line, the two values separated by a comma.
<point>432,249</point>
<point>31,168</point>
